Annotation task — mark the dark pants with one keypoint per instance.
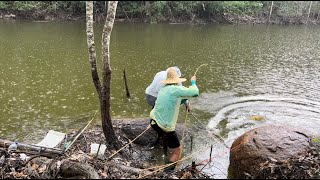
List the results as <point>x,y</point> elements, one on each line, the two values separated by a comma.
<point>170,139</point>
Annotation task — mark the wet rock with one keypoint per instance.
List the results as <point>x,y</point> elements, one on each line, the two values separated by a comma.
<point>267,144</point>
<point>131,128</point>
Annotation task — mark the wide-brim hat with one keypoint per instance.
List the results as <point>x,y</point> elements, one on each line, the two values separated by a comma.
<point>173,77</point>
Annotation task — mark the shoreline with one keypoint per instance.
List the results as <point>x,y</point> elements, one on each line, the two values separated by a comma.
<point>42,16</point>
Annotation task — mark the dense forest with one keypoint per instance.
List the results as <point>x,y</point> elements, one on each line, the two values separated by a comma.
<point>296,12</point>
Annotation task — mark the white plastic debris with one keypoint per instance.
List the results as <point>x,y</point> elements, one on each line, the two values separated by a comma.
<point>95,147</point>
<point>52,139</point>
<point>24,157</point>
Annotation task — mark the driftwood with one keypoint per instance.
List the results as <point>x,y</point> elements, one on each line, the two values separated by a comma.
<point>132,170</point>
<point>22,146</point>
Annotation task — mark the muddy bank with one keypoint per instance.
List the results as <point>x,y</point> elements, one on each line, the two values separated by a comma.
<point>135,161</point>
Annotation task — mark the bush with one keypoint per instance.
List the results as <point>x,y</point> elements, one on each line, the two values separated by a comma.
<point>133,9</point>
<point>184,8</point>
<point>242,7</point>
<point>26,5</point>
<point>3,5</point>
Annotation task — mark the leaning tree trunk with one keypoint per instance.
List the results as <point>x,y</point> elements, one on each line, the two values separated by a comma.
<point>270,13</point>
<point>103,88</point>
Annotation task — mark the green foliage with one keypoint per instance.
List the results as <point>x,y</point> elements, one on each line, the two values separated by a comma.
<point>76,7</point>
<point>26,5</point>
<point>158,7</point>
<point>241,7</point>
<point>315,140</point>
<point>287,8</point>
<point>161,10</point>
<point>158,10</point>
<point>214,7</point>
<point>3,5</point>
<point>184,7</point>
<point>133,9</point>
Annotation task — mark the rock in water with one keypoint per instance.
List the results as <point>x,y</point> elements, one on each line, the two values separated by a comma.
<point>268,143</point>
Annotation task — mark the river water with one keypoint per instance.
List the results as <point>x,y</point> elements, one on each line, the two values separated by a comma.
<point>269,71</point>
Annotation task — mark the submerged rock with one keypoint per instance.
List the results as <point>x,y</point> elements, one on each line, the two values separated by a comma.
<point>131,128</point>
<point>268,146</point>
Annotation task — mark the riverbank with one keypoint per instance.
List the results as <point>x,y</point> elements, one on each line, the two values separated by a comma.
<point>43,15</point>
<point>133,162</point>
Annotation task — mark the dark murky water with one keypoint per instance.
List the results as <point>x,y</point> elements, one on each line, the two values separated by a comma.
<point>270,71</point>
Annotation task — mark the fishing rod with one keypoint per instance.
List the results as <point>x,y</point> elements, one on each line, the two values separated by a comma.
<point>199,68</point>
<point>195,73</point>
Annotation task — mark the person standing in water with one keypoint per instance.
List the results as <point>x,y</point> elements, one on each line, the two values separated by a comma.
<point>165,113</point>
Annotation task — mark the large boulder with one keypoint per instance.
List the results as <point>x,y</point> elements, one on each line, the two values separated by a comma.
<point>267,146</point>
<point>131,128</point>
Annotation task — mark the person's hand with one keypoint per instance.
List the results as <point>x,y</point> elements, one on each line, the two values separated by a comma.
<point>193,78</point>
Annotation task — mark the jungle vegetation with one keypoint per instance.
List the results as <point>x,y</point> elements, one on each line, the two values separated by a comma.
<point>171,11</point>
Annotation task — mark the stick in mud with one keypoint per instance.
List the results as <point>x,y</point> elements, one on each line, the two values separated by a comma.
<point>126,83</point>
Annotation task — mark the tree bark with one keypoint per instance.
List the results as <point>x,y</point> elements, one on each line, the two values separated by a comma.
<point>103,88</point>
<point>110,135</point>
<point>91,47</point>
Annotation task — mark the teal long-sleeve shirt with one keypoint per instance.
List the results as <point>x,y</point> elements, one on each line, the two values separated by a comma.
<point>167,105</point>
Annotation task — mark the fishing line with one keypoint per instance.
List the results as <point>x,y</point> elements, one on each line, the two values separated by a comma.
<point>199,68</point>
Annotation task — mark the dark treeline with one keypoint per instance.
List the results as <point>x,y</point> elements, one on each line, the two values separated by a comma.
<point>171,11</point>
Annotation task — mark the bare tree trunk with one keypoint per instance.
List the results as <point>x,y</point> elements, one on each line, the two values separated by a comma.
<point>104,89</point>
<point>309,11</point>
<point>270,11</point>
<point>147,7</point>
<point>106,76</point>
<point>91,46</point>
